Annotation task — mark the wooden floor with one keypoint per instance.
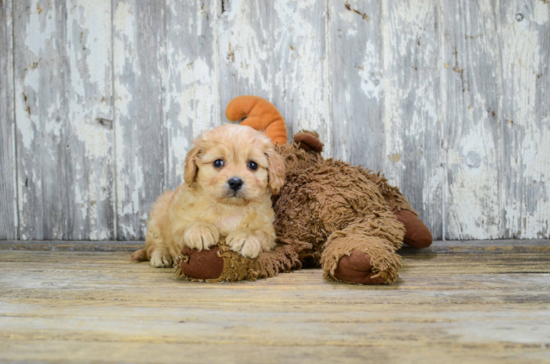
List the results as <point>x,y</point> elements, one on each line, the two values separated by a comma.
<point>456,302</point>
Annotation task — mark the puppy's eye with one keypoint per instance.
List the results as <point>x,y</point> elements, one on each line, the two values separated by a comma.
<point>218,163</point>
<point>252,165</point>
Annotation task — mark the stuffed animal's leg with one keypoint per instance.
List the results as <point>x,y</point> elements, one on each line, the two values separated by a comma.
<point>417,233</point>
<point>364,251</point>
<point>220,263</point>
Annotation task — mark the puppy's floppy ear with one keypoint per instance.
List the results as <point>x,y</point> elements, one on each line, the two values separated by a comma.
<point>275,171</point>
<point>190,168</point>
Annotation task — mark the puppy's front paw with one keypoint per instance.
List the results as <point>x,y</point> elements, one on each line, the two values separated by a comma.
<point>247,245</point>
<point>161,259</point>
<point>201,236</point>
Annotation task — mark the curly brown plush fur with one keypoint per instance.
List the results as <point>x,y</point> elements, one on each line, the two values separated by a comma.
<point>328,214</point>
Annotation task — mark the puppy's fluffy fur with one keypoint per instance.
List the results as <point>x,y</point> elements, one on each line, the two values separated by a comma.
<point>205,206</point>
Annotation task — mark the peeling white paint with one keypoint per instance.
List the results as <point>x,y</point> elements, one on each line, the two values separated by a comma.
<point>371,79</point>
<point>8,160</point>
<point>475,211</point>
<point>299,73</point>
<point>63,83</point>
<point>410,89</point>
<point>190,82</point>
<point>409,95</point>
<point>243,52</point>
<point>525,199</point>
<point>540,12</point>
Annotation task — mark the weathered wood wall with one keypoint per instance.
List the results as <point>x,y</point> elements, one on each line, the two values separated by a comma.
<point>100,100</point>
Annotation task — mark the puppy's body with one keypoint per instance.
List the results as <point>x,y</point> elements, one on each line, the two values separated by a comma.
<point>230,176</point>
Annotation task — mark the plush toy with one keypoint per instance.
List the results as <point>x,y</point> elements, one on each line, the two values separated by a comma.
<point>345,219</point>
<point>259,114</point>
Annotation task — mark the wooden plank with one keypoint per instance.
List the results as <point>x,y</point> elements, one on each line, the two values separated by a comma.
<point>357,82</point>
<point>277,50</point>
<point>69,245</point>
<point>78,305</point>
<point>300,72</point>
<point>470,92</point>
<point>438,247</point>
<point>351,70</point>
<point>8,185</point>
<point>413,158</point>
<point>191,80</point>
<point>50,350</point>
<point>481,247</point>
<point>524,40</point>
<point>63,108</point>
<point>166,86</point>
<point>228,326</point>
<point>139,60</point>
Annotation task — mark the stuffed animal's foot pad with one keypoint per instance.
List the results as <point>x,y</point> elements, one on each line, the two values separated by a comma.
<point>417,234</point>
<point>201,264</point>
<point>357,268</point>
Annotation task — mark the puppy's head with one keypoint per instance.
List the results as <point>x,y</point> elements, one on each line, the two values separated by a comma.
<point>235,164</point>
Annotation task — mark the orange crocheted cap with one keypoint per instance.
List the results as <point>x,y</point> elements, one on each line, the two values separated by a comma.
<point>260,114</point>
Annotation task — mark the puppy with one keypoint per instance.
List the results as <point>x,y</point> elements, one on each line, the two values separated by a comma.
<point>230,175</point>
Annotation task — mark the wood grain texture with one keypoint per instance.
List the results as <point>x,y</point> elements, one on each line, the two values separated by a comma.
<point>456,308</point>
<point>166,94</point>
<point>190,76</point>
<point>438,247</point>
<point>471,89</point>
<point>277,50</point>
<point>139,61</point>
<point>524,40</point>
<point>62,98</point>
<point>357,82</point>
<point>413,158</point>
<point>8,185</point>
<point>448,98</point>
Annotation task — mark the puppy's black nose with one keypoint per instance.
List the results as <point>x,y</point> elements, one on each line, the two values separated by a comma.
<point>235,183</point>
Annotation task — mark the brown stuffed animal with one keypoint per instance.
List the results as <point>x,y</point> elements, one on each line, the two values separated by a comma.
<point>343,218</point>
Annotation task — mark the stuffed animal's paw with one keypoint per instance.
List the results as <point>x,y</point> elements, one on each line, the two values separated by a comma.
<point>417,234</point>
<point>357,268</point>
<point>201,264</point>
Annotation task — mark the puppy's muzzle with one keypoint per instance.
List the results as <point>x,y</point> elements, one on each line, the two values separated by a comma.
<point>235,183</point>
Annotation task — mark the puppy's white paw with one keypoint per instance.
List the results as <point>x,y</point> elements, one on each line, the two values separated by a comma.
<point>247,245</point>
<point>160,259</point>
<point>201,236</point>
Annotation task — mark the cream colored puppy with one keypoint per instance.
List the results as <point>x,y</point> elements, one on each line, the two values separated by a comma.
<point>230,175</point>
